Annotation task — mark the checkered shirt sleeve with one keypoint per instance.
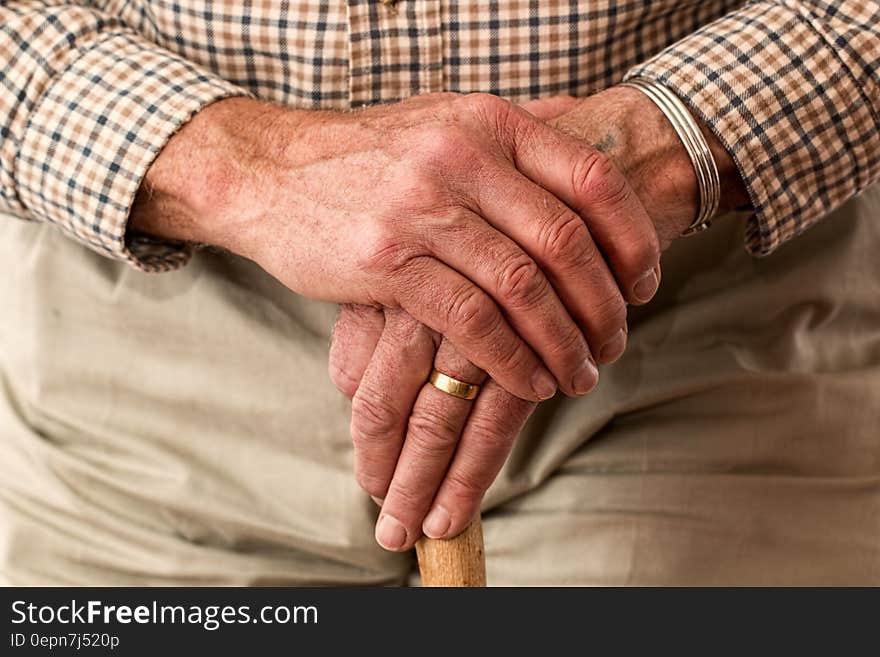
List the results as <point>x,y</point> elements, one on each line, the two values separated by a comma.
<point>85,106</point>
<point>792,90</point>
<point>91,91</point>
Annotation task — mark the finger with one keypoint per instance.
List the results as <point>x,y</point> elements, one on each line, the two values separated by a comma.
<point>549,108</point>
<point>492,426</point>
<point>501,268</point>
<point>560,242</point>
<point>443,299</point>
<point>432,434</point>
<point>383,403</point>
<point>352,343</point>
<point>590,183</point>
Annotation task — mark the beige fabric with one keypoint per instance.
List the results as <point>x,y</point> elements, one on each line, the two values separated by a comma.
<point>181,429</point>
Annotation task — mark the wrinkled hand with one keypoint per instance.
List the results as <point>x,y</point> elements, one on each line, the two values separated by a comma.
<point>432,456</point>
<point>467,212</point>
<point>417,448</point>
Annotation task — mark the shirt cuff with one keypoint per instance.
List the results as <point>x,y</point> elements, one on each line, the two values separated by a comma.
<point>787,107</point>
<point>94,133</point>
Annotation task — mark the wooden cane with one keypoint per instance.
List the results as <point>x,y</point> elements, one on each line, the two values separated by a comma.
<point>455,561</point>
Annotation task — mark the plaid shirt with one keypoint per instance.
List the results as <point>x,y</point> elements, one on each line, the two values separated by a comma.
<point>91,91</point>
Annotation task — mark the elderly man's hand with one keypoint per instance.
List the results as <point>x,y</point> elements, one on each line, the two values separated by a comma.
<point>429,455</point>
<point>465,211</point>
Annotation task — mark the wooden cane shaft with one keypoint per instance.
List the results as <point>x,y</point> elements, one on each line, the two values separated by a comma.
<point>456,561</point>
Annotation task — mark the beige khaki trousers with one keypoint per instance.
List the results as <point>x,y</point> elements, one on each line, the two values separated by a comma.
<point>180,428</point>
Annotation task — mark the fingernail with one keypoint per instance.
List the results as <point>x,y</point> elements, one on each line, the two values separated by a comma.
<point>378,500</point>
<point>390,534</point>
<point>586,378</point>
<point>543,384</point>
<point>646,287</point>
<point>613,349</point>
<point>436,523</point>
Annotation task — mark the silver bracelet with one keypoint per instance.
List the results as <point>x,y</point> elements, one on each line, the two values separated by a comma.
<point>695,144</point>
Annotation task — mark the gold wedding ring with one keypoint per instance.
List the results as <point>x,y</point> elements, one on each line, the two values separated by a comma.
<point>452,386</point>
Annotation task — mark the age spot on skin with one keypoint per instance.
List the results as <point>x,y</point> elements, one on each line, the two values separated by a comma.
<point>605,144</point>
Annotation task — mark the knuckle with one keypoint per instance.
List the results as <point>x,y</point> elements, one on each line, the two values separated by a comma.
<point>431,433</point>
<point>466,483</point>
<point>499,115</point>
<point>474,314</point>
<point>597,177</point>
<point>609,314</point>
<point>454,225</point>
<point>403,497</point>
<point>384,250</point>
<point>521,283</point>
<point>510,357</point>
<point>565,239</point>
<point>484,104</point>
<point>570,347</point>
<point>492,434</point>
<point>404,332</point>
<point>371,482</point>
<point>443,143</point>
<point>373,419</point>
